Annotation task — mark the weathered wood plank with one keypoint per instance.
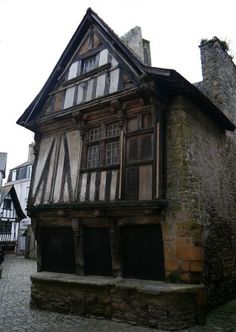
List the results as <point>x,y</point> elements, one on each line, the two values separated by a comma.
<point>103,57</point>
<point>75,149</point>
<point>145,182</point>
<point>102,186</point>
<point>80,93</point>
<point>59,170</point>
<point>73,70</point>
<point>50,177</point>
<point>83,187</point>
<point>69,97</point>
<point>92,187</point>
<point>89,90</point>
<point>113,185</point>
<point>157,158</point>
<point>44,149</point>
<point>100,85</point>
<point>114,80</point>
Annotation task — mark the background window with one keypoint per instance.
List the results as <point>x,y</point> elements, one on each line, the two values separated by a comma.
<point>90,63</point>
<point>113,130</point>
<point>7,204</point>
<point>93,156</point>
<point>94,134</point>
<point>112,153</point>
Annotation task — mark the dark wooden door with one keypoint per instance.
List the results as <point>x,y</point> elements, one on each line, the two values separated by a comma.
<point>97,251</point>
<point>142,252</point>
<point>58,249</point>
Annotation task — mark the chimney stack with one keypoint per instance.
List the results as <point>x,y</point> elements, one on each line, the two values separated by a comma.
<point>31,152</point>
<point>219,76</point>
<point>140,47</point>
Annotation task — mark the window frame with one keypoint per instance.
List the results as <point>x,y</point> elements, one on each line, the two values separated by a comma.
<point>6,202</point>
<point>102,143</point>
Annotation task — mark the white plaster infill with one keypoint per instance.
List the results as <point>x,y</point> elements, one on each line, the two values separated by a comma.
<point>142,286</point>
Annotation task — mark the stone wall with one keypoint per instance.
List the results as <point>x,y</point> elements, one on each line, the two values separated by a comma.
<point>150,303</point>
<point>201,191</point>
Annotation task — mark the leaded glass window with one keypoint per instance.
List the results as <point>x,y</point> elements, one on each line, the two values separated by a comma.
<point>94,134</point>
<point>112,153</point>
<point>113,130</point>
<point>93,156</point>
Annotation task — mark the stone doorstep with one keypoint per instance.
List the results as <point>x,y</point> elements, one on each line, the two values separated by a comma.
<point>142,286</point>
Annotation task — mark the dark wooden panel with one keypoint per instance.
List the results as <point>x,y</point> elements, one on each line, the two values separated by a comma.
<point>139,148</point>
<point>132,124</point>
<point>97,251</point>
<point>131,183</point>
<point>146,120</point>
<point>142,252</point>
<point>146,147</point>
<point>58,249</point>
<point>132,149</point>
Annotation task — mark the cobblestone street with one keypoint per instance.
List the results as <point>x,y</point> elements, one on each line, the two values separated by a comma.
<point>15,314</point>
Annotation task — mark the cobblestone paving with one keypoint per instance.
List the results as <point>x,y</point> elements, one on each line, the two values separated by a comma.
<point>16,316</point>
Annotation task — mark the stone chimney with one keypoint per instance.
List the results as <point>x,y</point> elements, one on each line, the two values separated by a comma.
<point>31,152</point>
<point>219,76</point>
<point>140,47</point>
<point>3,164</point>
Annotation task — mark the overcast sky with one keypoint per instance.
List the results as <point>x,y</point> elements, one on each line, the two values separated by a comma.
<point>34,33</point>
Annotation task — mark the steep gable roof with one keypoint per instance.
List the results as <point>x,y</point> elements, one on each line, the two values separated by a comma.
<point>4,191</point>
<point>91,18</point>
<point>164,78</point>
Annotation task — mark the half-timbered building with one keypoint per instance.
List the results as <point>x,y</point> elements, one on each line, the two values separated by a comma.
<point>124,184</point>
<point>10,216</point>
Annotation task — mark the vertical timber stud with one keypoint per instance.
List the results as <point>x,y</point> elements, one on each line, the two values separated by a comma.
<point>78,240</point>
<point>157,116</point>
<point>118,108</point>
<point>38,238</point>
<point>114,242</point>
<point>121,161</point>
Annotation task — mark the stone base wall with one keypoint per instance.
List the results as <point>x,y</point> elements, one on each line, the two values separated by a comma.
<point>150,303</point>
<point>199,231</point>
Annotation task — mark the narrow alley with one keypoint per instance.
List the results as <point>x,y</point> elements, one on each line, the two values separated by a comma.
<point>15,314</point>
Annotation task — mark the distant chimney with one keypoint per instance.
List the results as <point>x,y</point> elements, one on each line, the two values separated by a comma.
<point>219,76</point>
<point>3,164</point>
<point>141,47</point>
<point>31,152</point>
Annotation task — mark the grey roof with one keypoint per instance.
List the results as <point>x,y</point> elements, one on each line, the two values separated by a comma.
<point>3,162</point>
<point>26,163</point>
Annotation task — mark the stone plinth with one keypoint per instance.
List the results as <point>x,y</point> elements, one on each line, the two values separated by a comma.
<point>142,302</point>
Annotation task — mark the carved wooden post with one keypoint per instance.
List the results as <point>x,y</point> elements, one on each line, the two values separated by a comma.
<point>114,242</point>
<point>38,237</point>
<point>78,241</point>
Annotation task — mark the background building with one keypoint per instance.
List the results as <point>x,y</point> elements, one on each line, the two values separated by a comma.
<point>20,177</point>
<point>10,212</point>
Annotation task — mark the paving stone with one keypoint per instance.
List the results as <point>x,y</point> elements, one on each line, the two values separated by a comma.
<point>16,315</point>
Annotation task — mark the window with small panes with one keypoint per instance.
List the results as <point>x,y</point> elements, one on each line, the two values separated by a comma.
<point>103,146</point>
<point>138,153</point>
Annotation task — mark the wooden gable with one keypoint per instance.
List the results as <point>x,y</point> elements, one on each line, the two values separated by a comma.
<point>94,71</point>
